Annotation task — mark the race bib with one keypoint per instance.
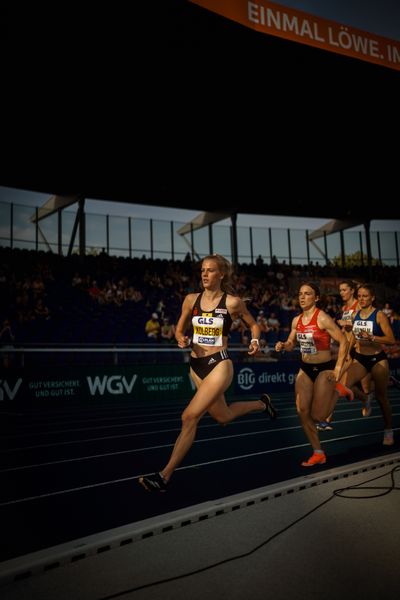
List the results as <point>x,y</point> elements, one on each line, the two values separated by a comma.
<point>306,341</point>
<point>346,316</point>
<point>207,330</point>
<point>359,326</point>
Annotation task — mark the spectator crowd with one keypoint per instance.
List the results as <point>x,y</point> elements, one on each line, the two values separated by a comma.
<point>48,298</point>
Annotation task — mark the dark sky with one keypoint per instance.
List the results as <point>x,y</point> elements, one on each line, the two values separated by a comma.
<point>170,103</point>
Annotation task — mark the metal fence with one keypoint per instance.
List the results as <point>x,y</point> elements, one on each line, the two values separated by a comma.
<point>157,239</point>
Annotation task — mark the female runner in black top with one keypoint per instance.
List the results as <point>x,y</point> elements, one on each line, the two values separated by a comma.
<point>211,313</point>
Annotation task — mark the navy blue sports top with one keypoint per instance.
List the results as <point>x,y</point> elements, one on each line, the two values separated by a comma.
<point>369,325</point>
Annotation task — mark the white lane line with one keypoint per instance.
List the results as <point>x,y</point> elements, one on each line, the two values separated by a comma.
<point>157,447</point>
<point>194,466</point>
<point>157,431</point>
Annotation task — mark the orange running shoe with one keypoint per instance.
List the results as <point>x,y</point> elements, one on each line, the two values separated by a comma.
<point>344,391</point>
<point>318,458</point>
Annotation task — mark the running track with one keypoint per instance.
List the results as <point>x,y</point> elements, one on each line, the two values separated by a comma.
<point>72,471</point>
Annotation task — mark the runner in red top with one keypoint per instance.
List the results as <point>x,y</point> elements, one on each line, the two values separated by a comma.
<point>317,388</point>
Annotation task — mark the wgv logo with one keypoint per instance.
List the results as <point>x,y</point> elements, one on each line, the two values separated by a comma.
<point>205,320</point>
<point>116,384</point>
<point>5,390</point>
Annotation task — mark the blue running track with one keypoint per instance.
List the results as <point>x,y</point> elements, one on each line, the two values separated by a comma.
<point>72,471</point>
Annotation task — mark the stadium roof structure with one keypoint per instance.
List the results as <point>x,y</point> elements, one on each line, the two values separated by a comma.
<point>288,200</point>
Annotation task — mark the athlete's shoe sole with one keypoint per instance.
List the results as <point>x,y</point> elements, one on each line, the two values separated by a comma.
<point>269,407</point>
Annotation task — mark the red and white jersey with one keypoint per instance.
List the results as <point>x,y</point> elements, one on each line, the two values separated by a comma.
<point>311,338</point>
<point>349,312</point>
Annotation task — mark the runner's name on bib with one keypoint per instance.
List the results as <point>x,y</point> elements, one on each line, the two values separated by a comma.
<point>207,330</point>
<point>307,344</point>
<point>360,326</point>
<point>347,315</point>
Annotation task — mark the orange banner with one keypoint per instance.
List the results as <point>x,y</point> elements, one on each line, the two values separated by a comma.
<point>302,27</point>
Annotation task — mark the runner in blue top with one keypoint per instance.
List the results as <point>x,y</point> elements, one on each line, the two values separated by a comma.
<point>371,329</point>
